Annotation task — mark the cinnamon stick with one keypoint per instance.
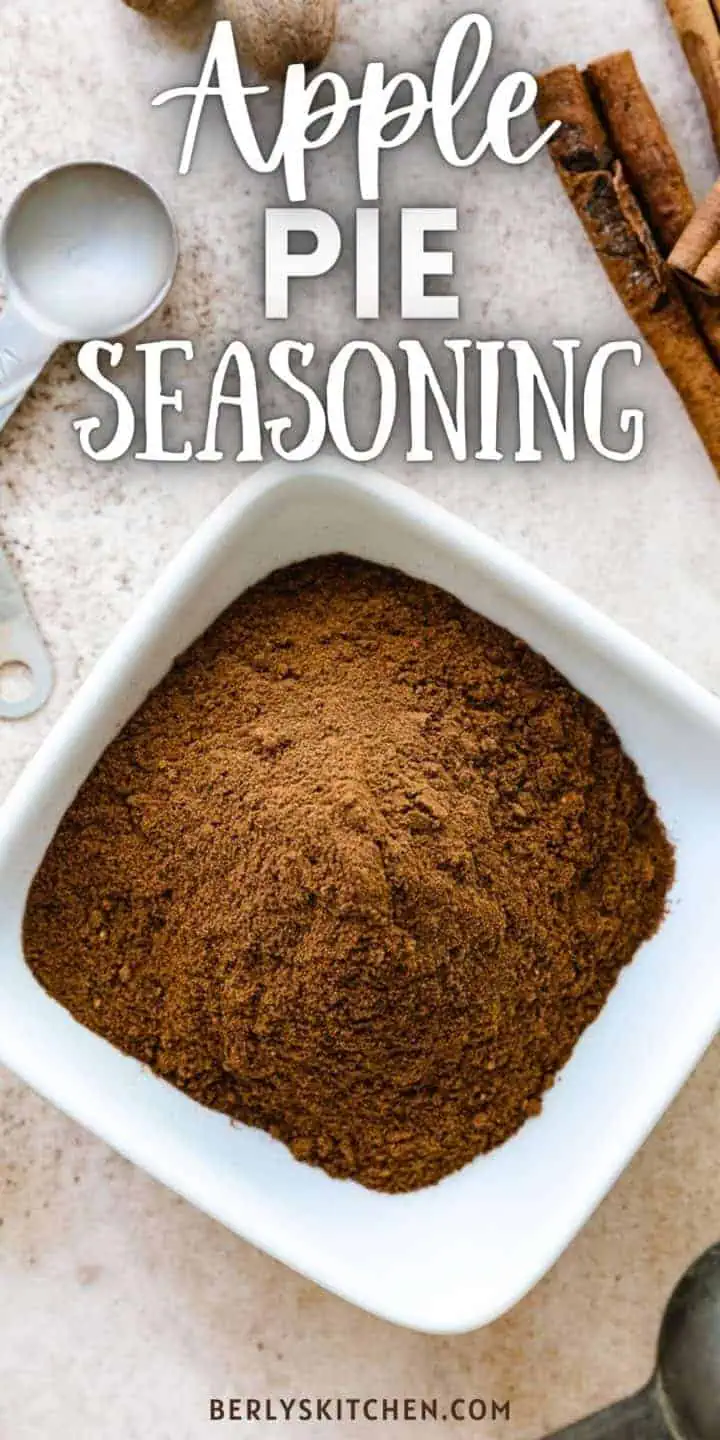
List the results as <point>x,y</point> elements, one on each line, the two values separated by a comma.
<point>595,182</point>
<point>696,23</point>
<point>640,141</point>
<point>696,253</point>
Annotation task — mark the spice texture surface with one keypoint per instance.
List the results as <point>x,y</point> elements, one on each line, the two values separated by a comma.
<point>360,872</point>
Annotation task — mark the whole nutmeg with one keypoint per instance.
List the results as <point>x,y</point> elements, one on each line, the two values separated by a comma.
<point>273,34</point>
<point>163,9</point>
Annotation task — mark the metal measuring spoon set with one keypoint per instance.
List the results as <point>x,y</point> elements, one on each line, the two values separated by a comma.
<point>88,251</point>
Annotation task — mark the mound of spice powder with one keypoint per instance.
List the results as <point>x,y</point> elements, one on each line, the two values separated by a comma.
<point>360,872</point>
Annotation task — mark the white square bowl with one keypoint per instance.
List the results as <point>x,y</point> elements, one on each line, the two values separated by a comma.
<point>455,1256</point>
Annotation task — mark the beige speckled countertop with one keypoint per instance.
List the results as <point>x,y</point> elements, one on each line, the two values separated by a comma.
<point>123,1310</point>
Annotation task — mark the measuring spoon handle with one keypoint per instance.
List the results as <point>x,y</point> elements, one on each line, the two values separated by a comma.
<point>21,644</point>
<point>639,1418</point>
<point>24,351</point>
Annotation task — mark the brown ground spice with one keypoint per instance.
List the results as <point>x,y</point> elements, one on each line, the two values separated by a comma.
<point>360,871</point>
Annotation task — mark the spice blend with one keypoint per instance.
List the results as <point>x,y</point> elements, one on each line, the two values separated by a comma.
<point>360,872</point>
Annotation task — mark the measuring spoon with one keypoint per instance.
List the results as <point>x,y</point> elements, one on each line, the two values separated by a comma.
<point>88,251</point>
<point>682,1401</point>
